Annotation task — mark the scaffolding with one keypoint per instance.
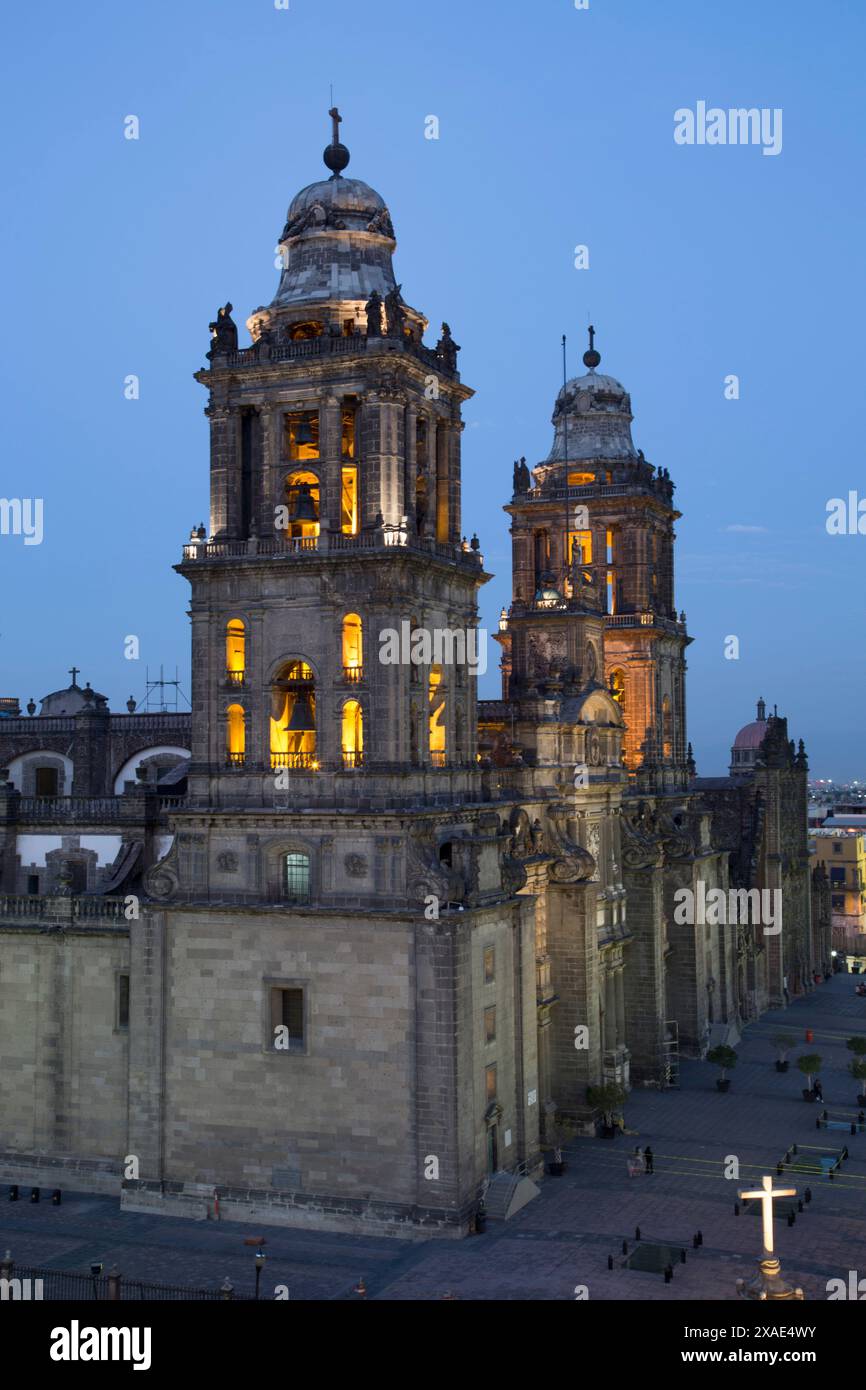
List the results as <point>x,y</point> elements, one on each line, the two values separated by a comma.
<point>671,1054</point>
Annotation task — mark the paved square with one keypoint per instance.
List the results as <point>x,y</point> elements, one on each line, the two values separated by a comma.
<point>561,1240</point>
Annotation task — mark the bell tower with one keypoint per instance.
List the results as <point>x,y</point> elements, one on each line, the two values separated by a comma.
<point>335,534</point>
<point>593,529</point>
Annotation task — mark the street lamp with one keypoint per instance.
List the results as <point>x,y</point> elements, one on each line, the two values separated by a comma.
<point>260,1264</point>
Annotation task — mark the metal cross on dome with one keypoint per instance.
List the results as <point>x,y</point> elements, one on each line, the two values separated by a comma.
<point>336,120</point>
<point>73,671</point>
<point>766,1197</point>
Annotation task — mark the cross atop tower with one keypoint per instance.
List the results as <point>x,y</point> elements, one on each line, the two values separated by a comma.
<point>73,671</point>
<point>336,120</point>
<point>591,358</point>
<point>336,156</point>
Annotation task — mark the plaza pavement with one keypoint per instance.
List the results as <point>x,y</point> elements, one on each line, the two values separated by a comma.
<point>563,1238</point>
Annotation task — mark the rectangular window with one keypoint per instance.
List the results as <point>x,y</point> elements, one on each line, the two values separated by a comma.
<point>46,781</point>
<point>297,878</point>
<point>302,428</point>
<point>584,540</point>
<point>490,1083</point>
<point>123,1001</point>
<point>348,434</point>
<point>837,847</point>
<point>490,1024</point>
<point>489,965</point>
<point>32,883</point>
<point>837,875</point>
<point>349,501</point>
<point>838,904</point>
<point>287,1033</point>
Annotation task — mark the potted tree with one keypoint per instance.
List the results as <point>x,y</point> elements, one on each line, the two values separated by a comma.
<point>608,1098</point>
<point>857,1068</point>
<point>783,1042</point>
<point>725,1058</point>
<point>810,1065</point>
<point>562,1132</point>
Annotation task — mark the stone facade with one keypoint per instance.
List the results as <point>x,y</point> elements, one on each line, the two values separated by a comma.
<point>364,942</point>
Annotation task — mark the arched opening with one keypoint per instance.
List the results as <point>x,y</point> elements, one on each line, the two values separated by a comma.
<point>301,331</point>
<point>667,728</point>
<point>353,653</point>
<point>617,688</point>
<point>352,734</point>
<point>580,479</point>
<point>302,501</point>
<point>235,651</point>
<point>235,735</point>
<point>436,717</point>
<point>293,717</point>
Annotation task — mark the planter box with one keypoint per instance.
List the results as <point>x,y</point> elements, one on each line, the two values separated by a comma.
<point>723,1085</point>
<point>808,1095</point>
<point>781,1066</point>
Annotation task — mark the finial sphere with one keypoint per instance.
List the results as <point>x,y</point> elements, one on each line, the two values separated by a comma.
<point>591,359</point>
<point>336,158</point>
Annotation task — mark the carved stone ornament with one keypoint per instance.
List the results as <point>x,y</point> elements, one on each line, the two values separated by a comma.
<point>228,861</point>
<point>161,880</point>
<point>641,846</point>
<point>355,865</point>
<point>426,875</point>
<point>573,864</point>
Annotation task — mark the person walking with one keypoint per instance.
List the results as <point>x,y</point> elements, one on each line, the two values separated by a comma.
<point>819,1091</point>
<point>648,1159</point>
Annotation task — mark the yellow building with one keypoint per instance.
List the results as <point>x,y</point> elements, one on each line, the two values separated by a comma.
<point>841,850</point>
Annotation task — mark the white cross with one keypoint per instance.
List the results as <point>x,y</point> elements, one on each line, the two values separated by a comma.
<point>766,1196</point>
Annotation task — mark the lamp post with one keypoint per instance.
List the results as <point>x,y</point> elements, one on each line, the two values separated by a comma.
<point>260,1264</point>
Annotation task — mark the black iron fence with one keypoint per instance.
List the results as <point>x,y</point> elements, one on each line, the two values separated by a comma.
<point>28,1283</point>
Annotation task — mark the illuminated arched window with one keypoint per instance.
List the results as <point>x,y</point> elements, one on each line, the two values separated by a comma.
<point>293,717</point>
<point>580,479</point>
<point>617,688</point>
<point>667,728</point>
<point>436,715</point>
<point>353,651</point>
<point>302,501</point>
<point>235,734</point>
<point>352,734</point>
<point>235,651</point>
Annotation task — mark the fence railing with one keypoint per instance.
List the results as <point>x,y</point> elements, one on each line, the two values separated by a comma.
<point>28,1283</point>
<point>59,908</point>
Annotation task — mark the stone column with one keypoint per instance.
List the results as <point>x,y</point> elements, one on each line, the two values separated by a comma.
<point>619,986</point>
<point>442,499</point>
<point>455,431</point>
<point>410,467</point>
<point>429,527</point>
<point>609,1011</point>
<point>330,460</point>
<point>266,489</point>
<point>223,468</point>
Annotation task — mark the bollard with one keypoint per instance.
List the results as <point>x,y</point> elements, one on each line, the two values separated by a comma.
<point>13,1192</point>
<point>637,1232</point>
<point>807,1195</point>
<point>669,1273</point>
<point>610,1261</point>
<point>34,1195</point>
<point>793,1148</point>
<point>700,1238</point>
<point>55,1197</point>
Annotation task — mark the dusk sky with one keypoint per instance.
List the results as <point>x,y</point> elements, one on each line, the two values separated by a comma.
<point>705,261</point>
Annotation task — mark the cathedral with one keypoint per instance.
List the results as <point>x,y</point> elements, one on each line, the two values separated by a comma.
<point>346,946</point>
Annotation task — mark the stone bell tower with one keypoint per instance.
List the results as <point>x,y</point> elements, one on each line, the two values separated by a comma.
<point>337,923</point>
<point>335,487</point>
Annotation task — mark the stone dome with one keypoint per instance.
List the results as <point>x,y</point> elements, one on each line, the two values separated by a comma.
<point>592,420</point>
<point>347,200</point>
<point>751,736</point>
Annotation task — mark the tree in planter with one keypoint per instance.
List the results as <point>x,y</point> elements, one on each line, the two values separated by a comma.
<point>857,1068</point>
<point>723,1057</point>
<point>810,1065</point>
<point>608,1098</point>
<point>783,1042</point>
<point>857,1045</point>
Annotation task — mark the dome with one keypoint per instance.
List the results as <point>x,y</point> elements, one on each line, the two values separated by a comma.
<point>343,200</point>
<point>751,736</point>
<point>337,241</point>
<point>592,417</point>
<point>71,700</point>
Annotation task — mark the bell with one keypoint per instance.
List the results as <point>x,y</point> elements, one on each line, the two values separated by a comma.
<point>304,433</point>
<point>304,505</point>
<point>302,720</point>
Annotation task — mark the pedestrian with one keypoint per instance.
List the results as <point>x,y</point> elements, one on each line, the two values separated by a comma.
<point>648,1159</point>
<point>785,990</point>
<point>819,1090</point>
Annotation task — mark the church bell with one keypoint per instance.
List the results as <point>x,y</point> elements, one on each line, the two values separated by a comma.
<point>304,433</point>
<point>301,721</point>
<point>304,507</point>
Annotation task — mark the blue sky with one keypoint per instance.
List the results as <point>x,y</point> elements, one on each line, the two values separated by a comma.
<point>556,129</point>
